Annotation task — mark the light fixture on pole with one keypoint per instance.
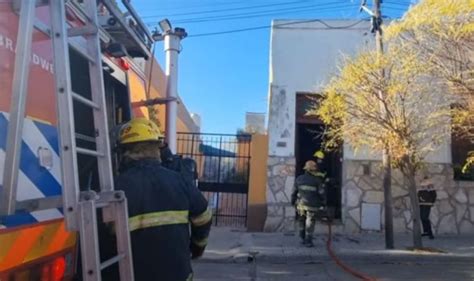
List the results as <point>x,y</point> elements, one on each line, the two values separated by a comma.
<point>157,36</point>
<point>172,44</point>
<point>165,26</point>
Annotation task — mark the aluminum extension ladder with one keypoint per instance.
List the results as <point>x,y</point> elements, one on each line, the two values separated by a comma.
<point>80,208</point>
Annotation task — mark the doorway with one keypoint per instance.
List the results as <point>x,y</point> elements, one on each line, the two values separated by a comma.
<point>309,139</point>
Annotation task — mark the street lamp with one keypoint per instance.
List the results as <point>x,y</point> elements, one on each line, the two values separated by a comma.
<point>172,44</point>
<point>165,26</point>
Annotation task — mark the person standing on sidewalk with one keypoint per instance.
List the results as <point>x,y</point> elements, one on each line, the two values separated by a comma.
<point>309,197</point>
<point>426,198</point>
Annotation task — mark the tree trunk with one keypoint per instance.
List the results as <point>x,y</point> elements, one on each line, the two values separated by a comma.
<point>387,189</point>
<point>411,171</point>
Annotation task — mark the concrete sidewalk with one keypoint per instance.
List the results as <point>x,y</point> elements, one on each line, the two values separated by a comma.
<point>229,245</point>
<point>280,257</point>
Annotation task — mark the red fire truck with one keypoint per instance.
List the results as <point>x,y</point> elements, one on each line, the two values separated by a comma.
<point>34,242</point>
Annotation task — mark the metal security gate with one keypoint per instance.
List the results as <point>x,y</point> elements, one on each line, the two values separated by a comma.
<point>223,162</point>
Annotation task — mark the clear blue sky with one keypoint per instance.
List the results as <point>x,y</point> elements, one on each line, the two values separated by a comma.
<point>223,76</point>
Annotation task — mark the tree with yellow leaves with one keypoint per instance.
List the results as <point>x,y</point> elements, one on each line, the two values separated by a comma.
<point>414,120</point>
<point>442,33</point>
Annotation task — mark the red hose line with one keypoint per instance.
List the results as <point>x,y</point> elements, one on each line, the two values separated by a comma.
<point>346,268</point>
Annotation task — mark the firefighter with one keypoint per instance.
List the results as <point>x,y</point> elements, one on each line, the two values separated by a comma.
<point>187,167</point>
<point>161,206</point>
<point>426,198</point>
<point>319,156</point>
<point>309,197</point>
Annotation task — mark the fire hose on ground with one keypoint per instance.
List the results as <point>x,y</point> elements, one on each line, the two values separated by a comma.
<point>341,264</point>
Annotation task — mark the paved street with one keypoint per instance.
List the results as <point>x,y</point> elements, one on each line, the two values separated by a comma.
<point>280,258</point>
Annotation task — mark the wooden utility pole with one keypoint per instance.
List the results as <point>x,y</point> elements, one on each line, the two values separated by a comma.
<point>386,161</point>
<point>376,15</point>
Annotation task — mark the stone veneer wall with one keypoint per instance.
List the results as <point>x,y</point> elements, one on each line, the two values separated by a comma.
<point>281,178</point>
<point>453,211</point>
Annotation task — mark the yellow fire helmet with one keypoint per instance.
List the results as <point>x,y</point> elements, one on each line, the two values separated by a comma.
<point>138,131</point>
<point>149,123</point>
<point>319,154</point>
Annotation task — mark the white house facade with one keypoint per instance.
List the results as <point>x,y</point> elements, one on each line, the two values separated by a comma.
<point>304,56</point>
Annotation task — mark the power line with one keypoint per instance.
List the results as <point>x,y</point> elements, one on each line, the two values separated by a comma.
<point>293,10</point>
<point>404,4</point>
<point>225,10</point>
<point>395,8</point>
<point>261,14</point>
<point>188,6</point>
<point>254,12</point>
<point>299,11</point>
<point>281,25</point>
<point>326,26</point>
<point>218,17</point>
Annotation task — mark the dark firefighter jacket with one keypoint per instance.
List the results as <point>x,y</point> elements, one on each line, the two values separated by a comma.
<point>426,197</point>
<point>309,192</point>
<point>187,167</point>
<point>161,207</point>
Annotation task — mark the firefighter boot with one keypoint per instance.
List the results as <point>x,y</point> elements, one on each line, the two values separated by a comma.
<point>302,235</point>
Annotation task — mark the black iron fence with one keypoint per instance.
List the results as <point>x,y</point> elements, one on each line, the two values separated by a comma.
<point>223,163</point>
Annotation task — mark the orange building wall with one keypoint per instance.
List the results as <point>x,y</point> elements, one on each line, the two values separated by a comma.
<point>257,208</point>
<point>158,90</point>
<point>137,93</point>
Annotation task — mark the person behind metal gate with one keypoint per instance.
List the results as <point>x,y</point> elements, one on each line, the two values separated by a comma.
<point>426,199</point>
<point>309,197</point>
<point>161,206</point>
<point>187,167</point>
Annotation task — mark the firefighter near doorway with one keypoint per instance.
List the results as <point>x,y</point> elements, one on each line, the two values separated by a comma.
<point>310,199</point>
<point>309,196</point>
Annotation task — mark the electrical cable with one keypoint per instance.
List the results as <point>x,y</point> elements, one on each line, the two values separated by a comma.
<point>269,13</point>
<point>225,10</point>
<point>188,6</point>
<point>395,8</point>
<point>150,24</point>
<point>404,4</point>
<point>328,26</point>
<point>323,6</point>
<point>281,25</point>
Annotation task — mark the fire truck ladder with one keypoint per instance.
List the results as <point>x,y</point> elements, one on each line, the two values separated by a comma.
<point>80,208</point>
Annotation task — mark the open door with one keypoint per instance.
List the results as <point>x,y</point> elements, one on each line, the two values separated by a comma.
<point>308,140</point>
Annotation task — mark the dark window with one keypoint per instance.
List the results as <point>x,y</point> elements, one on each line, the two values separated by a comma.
<point>460,147</point>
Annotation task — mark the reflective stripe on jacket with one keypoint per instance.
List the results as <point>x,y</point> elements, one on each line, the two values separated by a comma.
<point>158,219</point>
<point>309,192</point>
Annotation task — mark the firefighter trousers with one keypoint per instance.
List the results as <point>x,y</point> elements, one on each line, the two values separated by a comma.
<point>306,223</point>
